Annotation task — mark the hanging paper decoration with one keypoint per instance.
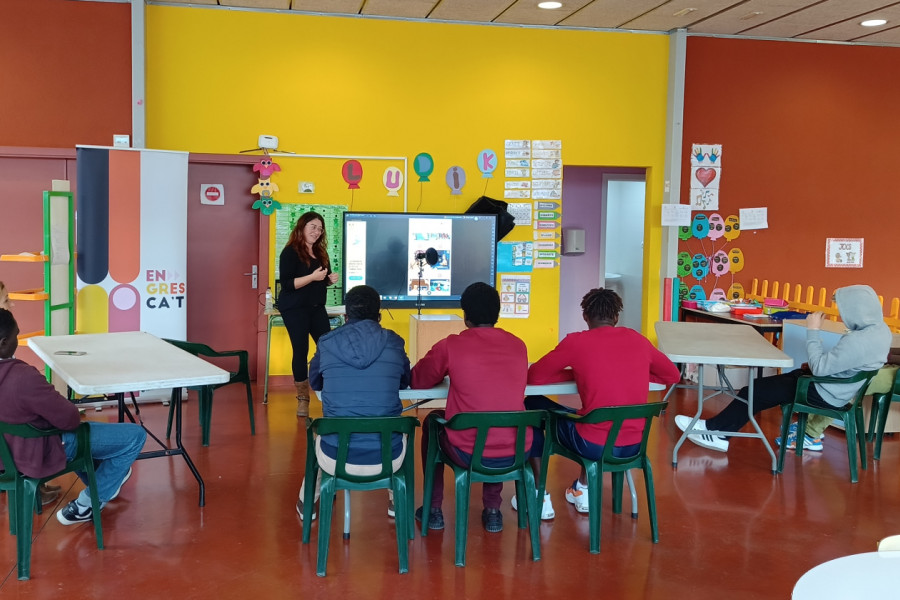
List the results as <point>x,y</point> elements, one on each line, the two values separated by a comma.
<point>393,180</point>
<point>265,167</point>
<point>267,205</point>
<point>720,263</point>
<point>700,226</point>
<point>732,227</point>
<point>716,226</point>
<point>487,163</point>
<point>423,165</point>
<point>684,232</point>
<point>697,293</point>
<point>718,294</point>
<point>736,292</point>
<point>683,292</point>
<point>684,264</point>
<point>456,179</point>
<point>737,260</point>
<point>265,187</point>
<point>352,173</point>
<point>699,266</point>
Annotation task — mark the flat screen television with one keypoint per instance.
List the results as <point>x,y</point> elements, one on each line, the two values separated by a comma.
<point>387,250</point>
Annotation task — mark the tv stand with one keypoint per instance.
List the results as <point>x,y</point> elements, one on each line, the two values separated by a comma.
<point>426,330</point>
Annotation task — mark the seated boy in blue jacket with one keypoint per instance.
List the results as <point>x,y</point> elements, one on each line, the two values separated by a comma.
<point>358,370</point>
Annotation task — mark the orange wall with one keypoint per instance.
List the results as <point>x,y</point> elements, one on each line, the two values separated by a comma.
<point>65,72</point>
<point>810,131</point>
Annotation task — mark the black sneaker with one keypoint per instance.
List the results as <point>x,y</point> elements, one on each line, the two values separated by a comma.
<point>435,518</point>
<point>72,513</point>
<point>492,520</point>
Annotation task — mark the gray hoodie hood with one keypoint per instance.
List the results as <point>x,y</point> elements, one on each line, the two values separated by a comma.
<point>859,306</point>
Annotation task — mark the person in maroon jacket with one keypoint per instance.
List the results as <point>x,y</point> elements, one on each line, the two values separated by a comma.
<point>47,492</point>
<point>612,366</point>
<point>27,397</point>
<point>487,368</point>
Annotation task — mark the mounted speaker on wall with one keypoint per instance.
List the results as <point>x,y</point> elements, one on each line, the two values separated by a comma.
<point>573,242</point>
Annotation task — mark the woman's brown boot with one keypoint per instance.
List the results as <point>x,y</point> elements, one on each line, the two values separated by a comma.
<point>302,397</point>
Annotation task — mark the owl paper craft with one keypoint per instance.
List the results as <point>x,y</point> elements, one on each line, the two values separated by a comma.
<point>267,205</point>
<point>264,188</point>
<point>265,167</point>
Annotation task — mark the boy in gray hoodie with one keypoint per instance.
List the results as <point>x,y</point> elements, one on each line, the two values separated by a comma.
<point>863,348</point>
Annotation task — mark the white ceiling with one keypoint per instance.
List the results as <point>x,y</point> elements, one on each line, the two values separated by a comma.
<point>833,20</point>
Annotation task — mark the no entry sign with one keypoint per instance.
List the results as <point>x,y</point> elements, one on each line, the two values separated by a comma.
<point>212,193</point>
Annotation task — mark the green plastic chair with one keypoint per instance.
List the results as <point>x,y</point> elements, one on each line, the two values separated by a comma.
<point>22,490</point>
<point>615,415</point>
<point>402,482</point>
<point>519,471</point>
<point>881,405</point>
<point>851,414</point>
<point>205,392</point>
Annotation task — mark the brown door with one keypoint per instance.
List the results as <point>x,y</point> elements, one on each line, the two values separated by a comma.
<point>24,176</point>
<point>223,306</point>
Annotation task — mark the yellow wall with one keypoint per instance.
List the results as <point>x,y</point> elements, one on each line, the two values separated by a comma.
<point>216,79</point>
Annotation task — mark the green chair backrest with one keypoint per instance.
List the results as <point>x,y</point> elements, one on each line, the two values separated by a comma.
<point>24,430</point>
<point>616,416</point>
<point>202,350</point>
<point>805,381</point>
<point>483,422</point>
<point>345,427</point>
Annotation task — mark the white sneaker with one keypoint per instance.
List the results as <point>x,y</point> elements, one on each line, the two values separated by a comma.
<point>705,440</point>
<point>578,495</point>
<point>119,489</point>
<point>547,512</point>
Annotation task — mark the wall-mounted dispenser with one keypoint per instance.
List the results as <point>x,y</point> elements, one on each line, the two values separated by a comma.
<point>572,242</point>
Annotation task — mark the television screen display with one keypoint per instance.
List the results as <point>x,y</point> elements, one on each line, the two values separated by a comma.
<point>413,257</point>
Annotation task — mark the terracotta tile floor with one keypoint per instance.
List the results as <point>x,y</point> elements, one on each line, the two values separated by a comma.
<point>728,528</point>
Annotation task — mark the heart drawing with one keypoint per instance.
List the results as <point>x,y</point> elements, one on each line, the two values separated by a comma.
<point>705,176</point>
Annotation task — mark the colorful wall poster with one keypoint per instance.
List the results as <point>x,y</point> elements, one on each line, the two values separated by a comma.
<point>515,257</point>
<point>515,296</point>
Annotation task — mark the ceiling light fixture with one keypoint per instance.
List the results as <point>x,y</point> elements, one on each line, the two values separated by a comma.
<point>874,22</point>
<point>549,5</point>
<point>751,15</point>
<point>683,11</point>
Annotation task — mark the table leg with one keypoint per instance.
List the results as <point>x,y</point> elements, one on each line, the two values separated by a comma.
<point>753,422</point>
<point>694,420</point>
<point>179,447</point>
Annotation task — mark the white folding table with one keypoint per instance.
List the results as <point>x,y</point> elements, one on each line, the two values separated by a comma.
<point>720,345</point>
<point>117,363</point>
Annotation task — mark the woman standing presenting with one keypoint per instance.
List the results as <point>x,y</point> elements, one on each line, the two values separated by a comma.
<point>305,274</point>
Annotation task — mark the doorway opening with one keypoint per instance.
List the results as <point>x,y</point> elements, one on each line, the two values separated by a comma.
<point>609,204</point>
